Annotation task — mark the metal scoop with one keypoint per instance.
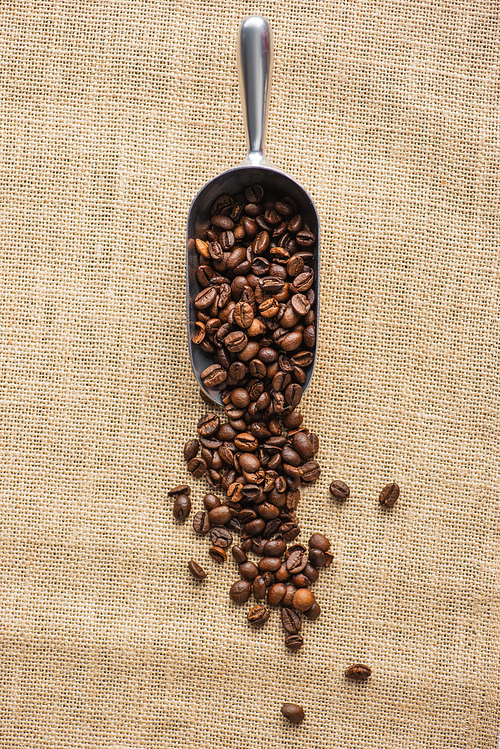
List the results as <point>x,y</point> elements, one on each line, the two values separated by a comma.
<point>254,66</point>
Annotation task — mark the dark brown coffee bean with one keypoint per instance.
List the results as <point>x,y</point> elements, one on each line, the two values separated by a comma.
<point>292,712</point>
<point>221,205</point>
<point>276,593</point>
<point>310,472</point>
<point>197,467</point>
<point>294,642</point>
<point>275,548</point>
<point>302,445</point>
<point>243,315</point>
<point>180,489</point>
<point>246,442</point>
<point>218,554</point>
<point>296,561</point>
<point>201,523</point>
<point>182,507</point>
<point>239,555</point>
<point>319,541</point>
<point>239,591</point>
<point>254,527</point>
<point>303,599</point>
<point>248,570</point>
<point>291,340</point>
<point>191,450</point>
<point>305,238</point>
<point>282,575</point>
<point>358,672</point>
<point>210,501</point>
<point>269,564</point>
<point>240,398</point>
<point>205,298</point>
<point>328,557</point>
<point>301,580</point>
<point>289,531</point>
<point>290,457</point>
<point>389,495</point>
<point>317,558</point>
<point>259,588</point>
<point>293,420</point>
<point>213,375</point>
<point>208,425</point>
<point>258,615</point>
<point>300,304</point>
<point>220,516</point>
<point>222,222</point>
<point>254,193</point>
<point>199,333</point>
<point>309,336</point>
<point>314,612</point>
<point>303,281</point>
<point>197,572</point>
<point>292,623</point>
<point>220,536</point>
<point>236,341</point>
<point>289,594</point>
<point>312,573</point>
<point>339,490</point>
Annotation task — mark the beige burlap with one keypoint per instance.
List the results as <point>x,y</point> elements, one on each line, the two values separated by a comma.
<point>114,113</point>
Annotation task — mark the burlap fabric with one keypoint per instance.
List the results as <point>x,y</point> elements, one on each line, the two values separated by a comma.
<point>113,115</point>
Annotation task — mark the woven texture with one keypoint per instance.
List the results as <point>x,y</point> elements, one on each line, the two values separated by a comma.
<point>114,113</point>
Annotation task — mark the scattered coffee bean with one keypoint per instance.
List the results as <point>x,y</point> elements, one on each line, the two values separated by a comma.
<point>182,507</point>
<point>220,537</point>
<point>294,642</point>
<point>303,599</point>
<point>339,490</point>
<point>201,523</point>
<point>197,572</point>
<point>389,495</point>
<point>258,615</point>
<point>240,591</point>
<point>319,541</point>
<point>181,489</point>
<point>292,623</point>
<point>218,554</point>
<point>292,712</point>
<point>358,672</point>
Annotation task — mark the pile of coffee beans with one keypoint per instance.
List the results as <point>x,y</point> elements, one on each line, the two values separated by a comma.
<point>256,319</point>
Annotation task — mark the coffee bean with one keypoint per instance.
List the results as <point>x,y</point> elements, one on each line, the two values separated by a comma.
<point>292,623</point>
<point>296,561</point>
<point>269,564</point>
<point>197,467</point>
<point>310,472</point>
<point>246,442</point>
<point>289,594</point>
<point>317,558</point>
<point>254,193</point>
<point>197,572</point>
<point>258,615</point>
<point>220,515</point>
<point>213,375</point>
<point>180,489</point>
<point>222,222</point>
<point>201,523</point>
<point>275,548</point>
<point>208,425</point>
<point>319,541</point>
<point>218,554</point>
<point>191,450</point>
<point>240,591</point>
<point>294,713</point>
<point>248,570</point>
<point>276,593</point>
<point>220,536</point>
<point>259,588</point>
<point>303,599</point>
<point>339,490</point>
<point>182,507</point>
<point>358,672</point>
<point>389,495</point>
<point>314,612</point>
<point>294,642</point>
<point>210,501</point>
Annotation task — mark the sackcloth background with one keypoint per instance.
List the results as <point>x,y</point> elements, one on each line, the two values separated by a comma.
<point>113,115</point>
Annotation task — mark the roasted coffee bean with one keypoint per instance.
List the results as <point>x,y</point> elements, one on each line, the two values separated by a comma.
<point>339,490</point>
<point>310,472</point>
<point>191,450</point>
<point>258,615</point>
<point>205,298</point>
<point>276,593</point>
<point>197,572</point>
<point>246,442</point>
<point>301,580</point>
<point>289,531</point>
<point>389,495</point>
<point>302,445</point>
<point>240,591</point>
<point>358,672</point>
<point>222,222</point>
<point>292,623</point>
<point>259,588</point>
<point>254,193</point>
<point>275,548</point>
<point>317,558</point>
<point>248,570</point>
<point>180,489</point>
<point>319,541</point>
<point>314,612</point>
<point>269,564</point>
<point>220,515</point>
<point>292,712</point>
<point>303,599</point>
<point>239,555</point>
<point>197,467</point>
<point>294,642</point>
<point>282,575</point>
<point>311,572</point>
<point>289,594</point>
<point>218,554</point>
<point>293,420</point>
<point>182,507</point>
<point>296,561</point>
<point>201,523</point>
<point>210,501</point>
<point>328,558</point>
<point>213,375</point>
<point>220,536</point>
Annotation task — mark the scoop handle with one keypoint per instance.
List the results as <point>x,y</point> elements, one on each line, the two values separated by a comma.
<point>255,57</point>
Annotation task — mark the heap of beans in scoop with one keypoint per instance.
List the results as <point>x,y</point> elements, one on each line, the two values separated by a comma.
<point>256,320</point>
